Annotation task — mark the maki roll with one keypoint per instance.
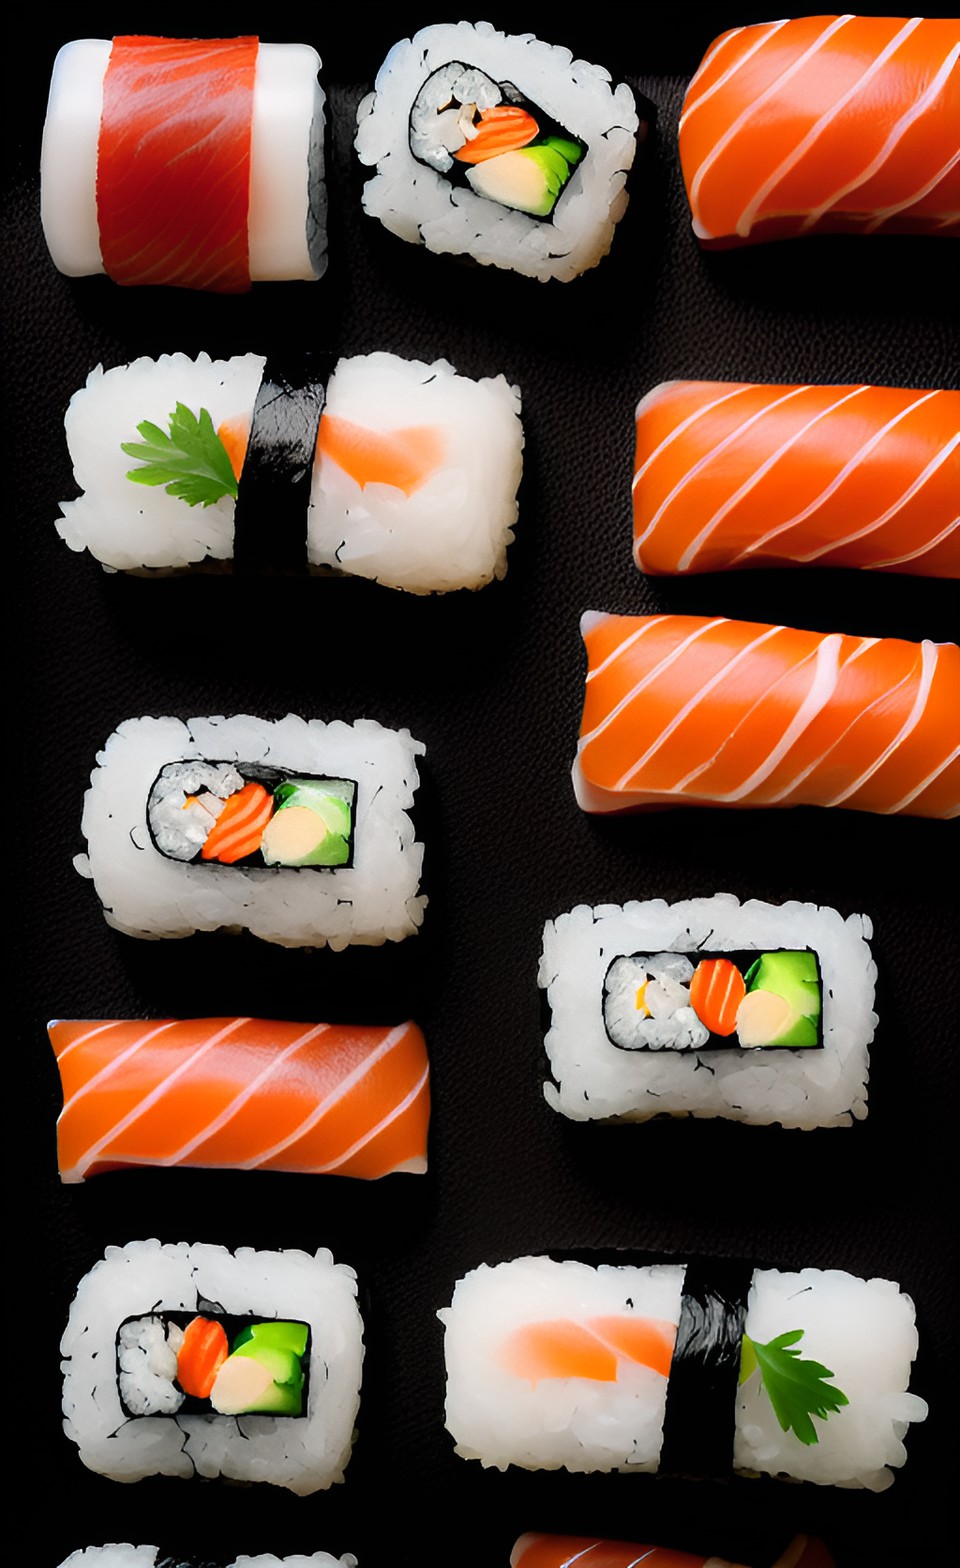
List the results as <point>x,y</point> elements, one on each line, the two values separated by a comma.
<point>155,1557</point>
<point>500,148</point>
<point>194,162</point>
<point>731,475</point>
<point>753,1012</point>
<point>698,1369</point>
<point>241,1094</point>
<point>690,710</point>
<point>825,123</point>
<point>376,467</point>
<point>189,827</point>
<point>190,1360</point>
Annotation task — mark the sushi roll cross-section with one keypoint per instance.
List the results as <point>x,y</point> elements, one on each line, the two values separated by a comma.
<point>191,162</point>
<point>501,148</point>
<point>189,1360</point>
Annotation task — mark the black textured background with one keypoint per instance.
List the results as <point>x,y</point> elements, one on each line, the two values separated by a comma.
<point>492,683</point>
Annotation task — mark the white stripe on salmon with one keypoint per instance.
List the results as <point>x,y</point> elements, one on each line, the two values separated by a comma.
<point>111,1067</point>
<point>928,664</point>
<point>747,114</point>
<point>651,675</point>
<point>622,647</point>
<point>693,549</point>
<point>374,1132</point>
<point>731,71</point>
<point>922,549</point>
<point>684,424</point>
<point>836,481</point>
<point>896,135</point>
<point>925,783</point>
<point>386,1046</point>
<point>746,219</point>
<point>708,457</point>
<point>898,505</point>
<point>155,1094</point>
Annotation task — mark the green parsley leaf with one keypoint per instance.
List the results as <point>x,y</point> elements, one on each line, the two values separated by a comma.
<point>191,462</point>
<point>797,1389</point>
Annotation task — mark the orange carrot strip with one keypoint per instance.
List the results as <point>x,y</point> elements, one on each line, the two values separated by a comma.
<point>716,991</point>
<point>202,1354</point>
<point>239,828</point>
<point>499,130</point>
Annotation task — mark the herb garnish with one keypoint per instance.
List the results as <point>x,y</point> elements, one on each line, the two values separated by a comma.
<point>797,1389</point>
<point>191,462</point>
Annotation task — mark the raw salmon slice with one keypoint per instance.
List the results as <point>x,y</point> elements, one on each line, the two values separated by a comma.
<point>731,475</point>
<point>685,710</point>
<point>594,1349</point>
<point>825,122</point>
<point>241,1093</point>
<point>173,162</point>
<point>585,1551</point>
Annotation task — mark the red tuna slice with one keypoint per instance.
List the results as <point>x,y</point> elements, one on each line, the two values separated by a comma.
<point>173,166</point>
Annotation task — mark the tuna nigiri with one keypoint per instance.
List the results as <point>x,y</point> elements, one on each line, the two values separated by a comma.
<point>241,1094</point>
<point>825,122</point>
<point>191,162</point>
<point>738,475</point>
<point>690,710</point>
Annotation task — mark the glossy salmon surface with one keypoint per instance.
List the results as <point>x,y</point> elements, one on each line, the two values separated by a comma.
<point>825,123</point>
<point>563,1551</point>
<point>729,474</point>
<point>691,710</point>
<point>173,162</point>
<point>241,1094</point>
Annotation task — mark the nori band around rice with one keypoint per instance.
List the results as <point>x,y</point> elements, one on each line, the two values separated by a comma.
<point>270,521</point>
<point>698,1428</point>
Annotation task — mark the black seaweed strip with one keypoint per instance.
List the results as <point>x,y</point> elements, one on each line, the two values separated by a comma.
<point>270,521</point>
<point>698,1429</point>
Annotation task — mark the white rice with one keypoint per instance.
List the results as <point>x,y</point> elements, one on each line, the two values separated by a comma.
<point>304,1454</point>
<point>863,1330</point>
<point>451,532</point>
<point>287,214</point>
<point>419,204</point>
<point>376,899</point>
<point>147,1557</point>
<point>593,1079</point>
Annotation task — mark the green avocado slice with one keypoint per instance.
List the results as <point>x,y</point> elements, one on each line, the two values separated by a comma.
<point>792,975</point>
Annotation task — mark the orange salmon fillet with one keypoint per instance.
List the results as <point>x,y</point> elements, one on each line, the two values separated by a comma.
<point>173,162</point>
<point>563,1551</point>
<point>687,710</point>
<point>731,475</point>
<point>825,123</point>
<point>241,1094</point>
<point>593,1349</point>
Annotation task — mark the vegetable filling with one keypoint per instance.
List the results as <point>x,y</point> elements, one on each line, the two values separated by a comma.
<point>175,1363</point>
<point>222,813</point>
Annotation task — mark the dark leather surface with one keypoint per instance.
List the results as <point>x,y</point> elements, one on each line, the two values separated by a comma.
<point>492,683</point>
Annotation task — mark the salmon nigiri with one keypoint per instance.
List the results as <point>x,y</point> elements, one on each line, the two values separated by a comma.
<point>690,710</point>
<point>241,1094</point>
<point>825,122</point>
<point>731,475</point>
<point>563,1551</point>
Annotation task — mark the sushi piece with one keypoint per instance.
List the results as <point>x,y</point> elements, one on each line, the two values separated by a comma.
<point>196,162</point>
<point>376,467</point>
<point>754,1012</point>
<point>843,123</point>
<point>563,1551</point>
<point>190,828</point>
<point>241,1094</point>
<point>191,1360</point>
<point>690,710</point>
<point>500,148</point>
<point>155,1557</point>
<point>696,1369</point>
<point>730,475</point>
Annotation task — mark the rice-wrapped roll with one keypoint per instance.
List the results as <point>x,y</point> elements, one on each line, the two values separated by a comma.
<point>696,1369</point>
<point>754,1012</point>
<point>193,162</point>
<point>123,1556</point>
<point>191,1360</point>
<point>293,829</point>
<point>497,147</point>
<point>386,468</point>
